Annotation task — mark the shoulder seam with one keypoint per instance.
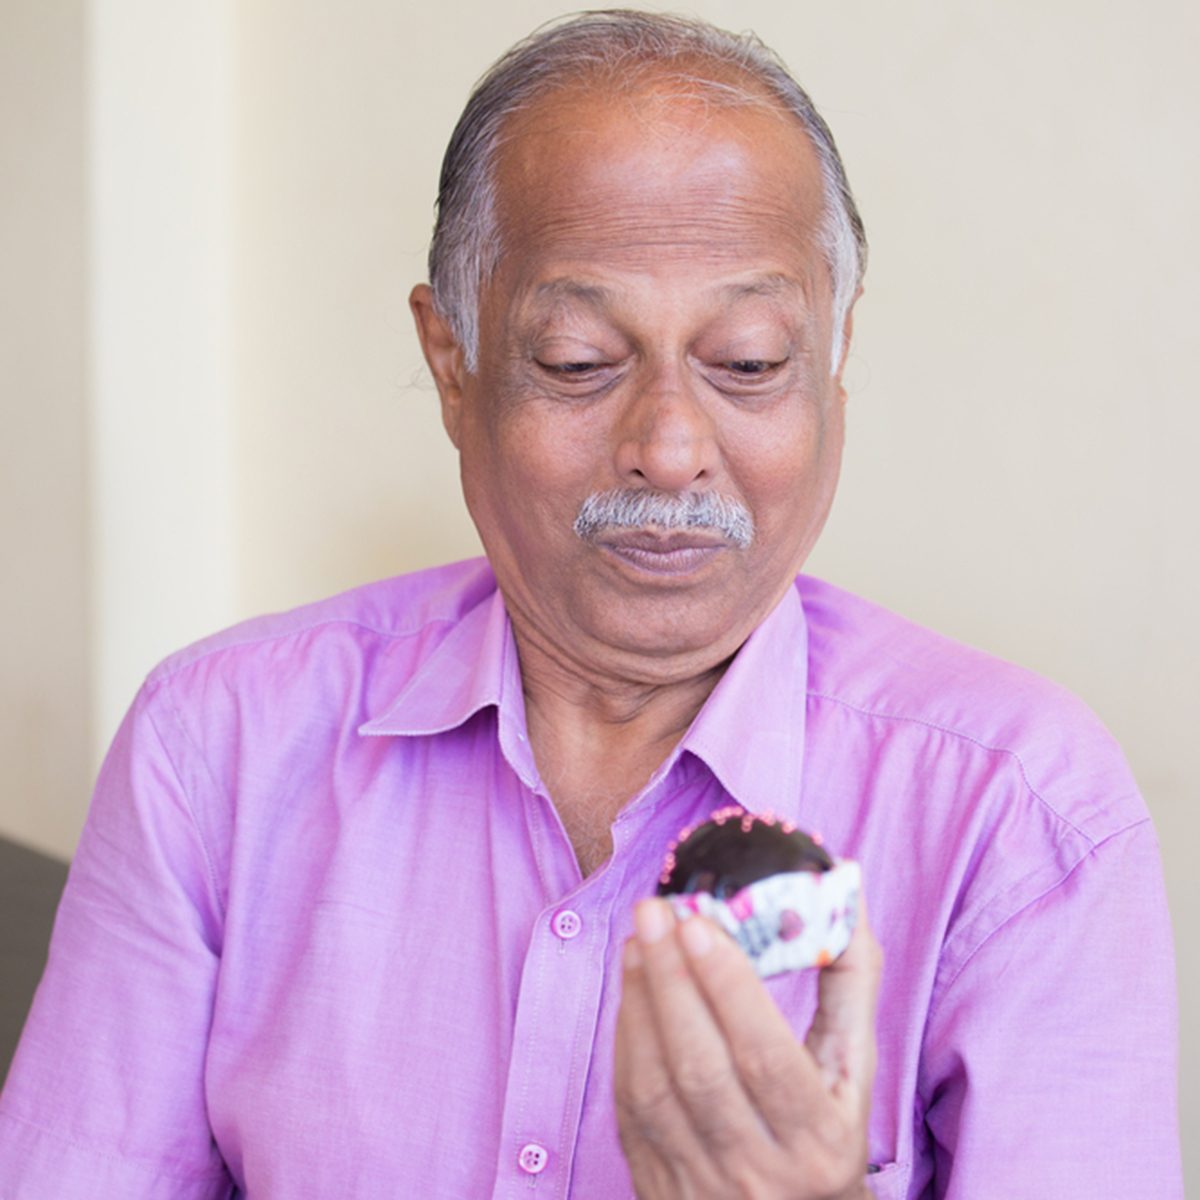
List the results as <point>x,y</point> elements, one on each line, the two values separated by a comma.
<point>941,989</point>
<point>168,668</point>
<point>965,737</point>
<point>1016,912</point>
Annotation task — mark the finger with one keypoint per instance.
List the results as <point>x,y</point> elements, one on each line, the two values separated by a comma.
<point>693,1043</point>
<point>643,1091</point>
<point>650,1115</point>
<point>842,1035</point>
<point>779,1076</point>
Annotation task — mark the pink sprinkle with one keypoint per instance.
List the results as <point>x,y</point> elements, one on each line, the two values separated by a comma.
<point>791,924</point>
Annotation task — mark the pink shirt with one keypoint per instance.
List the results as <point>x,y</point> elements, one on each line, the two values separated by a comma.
<point>325,936</point>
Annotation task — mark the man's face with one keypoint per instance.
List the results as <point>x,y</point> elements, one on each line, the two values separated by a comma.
<point>659,321</point>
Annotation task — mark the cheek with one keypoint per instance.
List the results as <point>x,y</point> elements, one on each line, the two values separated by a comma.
<point>780,456</point>
<point>548,445</point>
<point>525,472</point>
<point>788,471</point>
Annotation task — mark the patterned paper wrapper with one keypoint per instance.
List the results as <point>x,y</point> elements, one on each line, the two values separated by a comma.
<point>785,922</point>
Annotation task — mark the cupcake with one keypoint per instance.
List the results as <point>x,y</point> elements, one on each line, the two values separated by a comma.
<point>775,890</point>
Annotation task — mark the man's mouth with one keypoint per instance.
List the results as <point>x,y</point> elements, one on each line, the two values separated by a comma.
<point>674,552</point>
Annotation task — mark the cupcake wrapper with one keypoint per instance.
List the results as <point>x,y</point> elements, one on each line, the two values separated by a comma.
<point>785,922</point>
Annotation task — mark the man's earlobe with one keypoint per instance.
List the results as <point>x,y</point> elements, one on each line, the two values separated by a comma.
<point>442,353</point>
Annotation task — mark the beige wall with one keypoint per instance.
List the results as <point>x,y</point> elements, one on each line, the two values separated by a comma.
<point>160,97</point>
<point>1020,472</point>
<point>45,675</point>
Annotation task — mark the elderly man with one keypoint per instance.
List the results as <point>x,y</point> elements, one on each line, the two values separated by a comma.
<point>360,907</point>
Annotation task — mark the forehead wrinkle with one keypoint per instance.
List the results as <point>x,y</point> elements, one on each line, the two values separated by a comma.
<point>637,232</point>
<point>654,220</point>
<point>725,231</point>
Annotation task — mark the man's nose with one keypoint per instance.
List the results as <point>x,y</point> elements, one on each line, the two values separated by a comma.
<point>666,438</point>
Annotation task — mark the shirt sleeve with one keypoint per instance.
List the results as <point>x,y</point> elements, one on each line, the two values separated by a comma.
<point>1049,1063</point>
<point>105,1096</point>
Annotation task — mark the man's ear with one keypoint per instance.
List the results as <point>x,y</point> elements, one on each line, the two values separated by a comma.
<point>846,333</point>
<point>443,354</point>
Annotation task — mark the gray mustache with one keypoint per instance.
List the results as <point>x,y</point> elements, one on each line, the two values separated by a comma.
<point>639,508</point>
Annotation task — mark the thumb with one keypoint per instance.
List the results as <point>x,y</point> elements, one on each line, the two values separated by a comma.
<point>842,1035</point>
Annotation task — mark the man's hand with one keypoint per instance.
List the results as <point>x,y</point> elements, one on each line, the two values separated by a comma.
<point>715,1096</point>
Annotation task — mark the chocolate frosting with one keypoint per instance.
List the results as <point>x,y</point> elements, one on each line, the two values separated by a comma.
<point>722,857</point>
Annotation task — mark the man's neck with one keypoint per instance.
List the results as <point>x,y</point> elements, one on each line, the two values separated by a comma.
<point>597,739</point>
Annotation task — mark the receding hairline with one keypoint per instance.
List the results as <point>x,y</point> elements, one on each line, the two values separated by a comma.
<point>617,51</point>
<point>689,69</point>
<point>663,84</point>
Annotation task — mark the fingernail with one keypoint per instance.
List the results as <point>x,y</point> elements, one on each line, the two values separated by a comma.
<point>697,937</point>
<point>653,920</point>
<point>632,955</point>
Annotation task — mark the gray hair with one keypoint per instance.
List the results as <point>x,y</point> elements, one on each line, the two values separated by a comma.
<point>616,44</point>
<point>639,508</point>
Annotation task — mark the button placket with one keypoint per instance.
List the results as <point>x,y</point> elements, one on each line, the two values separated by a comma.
<point>562,982</point>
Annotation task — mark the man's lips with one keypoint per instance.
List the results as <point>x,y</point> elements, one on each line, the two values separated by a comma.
<point>677,552</point>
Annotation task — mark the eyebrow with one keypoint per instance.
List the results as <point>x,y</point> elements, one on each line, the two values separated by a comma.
<point>774,285</point>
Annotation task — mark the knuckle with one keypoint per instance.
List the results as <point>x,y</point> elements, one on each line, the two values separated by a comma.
<point>708,1096</point>
<point>763,1068</point>
<point>646,1103</point>
<point>704,1083</point>
<point>718,1126</point>
<point>719,1134</point>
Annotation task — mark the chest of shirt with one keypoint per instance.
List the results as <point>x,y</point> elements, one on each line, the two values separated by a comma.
<point>415,964</point>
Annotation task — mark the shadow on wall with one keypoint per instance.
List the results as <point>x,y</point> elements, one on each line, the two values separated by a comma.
<point>30,885</point>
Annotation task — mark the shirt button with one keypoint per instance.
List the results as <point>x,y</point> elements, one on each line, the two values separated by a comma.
<point>533,1158</point>
<point>566,924</point>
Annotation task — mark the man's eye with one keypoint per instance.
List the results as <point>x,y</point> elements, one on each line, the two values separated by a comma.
<point>570,368</point>
<point>751,366</point>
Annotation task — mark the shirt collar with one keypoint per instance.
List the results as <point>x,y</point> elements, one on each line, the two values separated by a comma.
<point>750,732</point>
<point>466,671</point>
